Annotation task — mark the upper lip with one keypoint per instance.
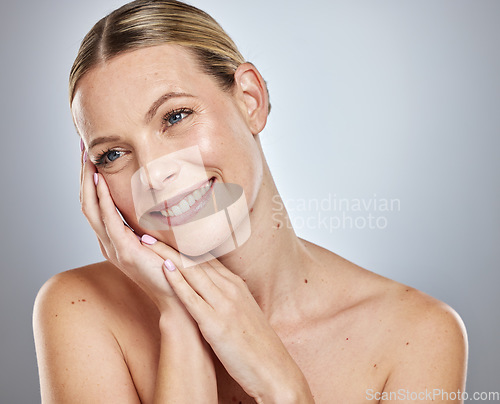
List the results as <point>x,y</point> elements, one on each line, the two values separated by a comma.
<point>169,202</point>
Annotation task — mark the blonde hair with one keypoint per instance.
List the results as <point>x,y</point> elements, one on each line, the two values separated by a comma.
<point>144,23</point>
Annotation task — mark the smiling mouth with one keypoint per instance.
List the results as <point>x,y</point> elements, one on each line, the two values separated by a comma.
<point>185,208</point>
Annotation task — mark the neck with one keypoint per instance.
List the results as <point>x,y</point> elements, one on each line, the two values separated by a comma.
<point>273,261</point>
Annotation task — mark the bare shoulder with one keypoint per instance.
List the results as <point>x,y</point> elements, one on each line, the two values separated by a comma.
<point>83,288</point>
<point>75,328</point>
<point>427,345</point>
<point>418,334</point>
<point>416,318</point>
<point>403,309</point>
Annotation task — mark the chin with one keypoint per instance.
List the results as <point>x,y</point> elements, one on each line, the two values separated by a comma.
<point>216,235</point>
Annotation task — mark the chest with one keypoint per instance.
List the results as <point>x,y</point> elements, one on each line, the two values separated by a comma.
<point>340,366</point>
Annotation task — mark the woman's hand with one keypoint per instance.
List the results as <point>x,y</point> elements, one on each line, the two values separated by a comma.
<point>120,245</point>
<point>219,301</point>
<point>185,368</point>
<point>233,324</point>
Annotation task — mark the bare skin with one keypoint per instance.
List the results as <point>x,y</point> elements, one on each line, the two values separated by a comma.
<point>110,333</point>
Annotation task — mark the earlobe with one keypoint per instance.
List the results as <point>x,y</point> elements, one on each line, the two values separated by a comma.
<point>253,89</point>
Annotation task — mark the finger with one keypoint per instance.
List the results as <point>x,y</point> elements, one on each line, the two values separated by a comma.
<point>199,309</point>
<point>165,251</point>
<point>223,271</point>
<point>90,203</point>
<point>215,276</point>
<point>202,283</point>
<point>119,234</point>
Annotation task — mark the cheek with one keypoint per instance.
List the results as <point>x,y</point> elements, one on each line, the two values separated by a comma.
<point>233,150</point>
<point>121,193</point>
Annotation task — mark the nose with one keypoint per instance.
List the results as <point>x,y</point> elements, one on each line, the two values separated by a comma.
<point>158,173</point>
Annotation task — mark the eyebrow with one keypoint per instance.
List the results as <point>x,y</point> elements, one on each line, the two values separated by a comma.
<point>103,139</point>
<point>147,118</point>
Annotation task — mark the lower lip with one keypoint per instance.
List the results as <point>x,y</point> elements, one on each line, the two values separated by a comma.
<point>188,215</point>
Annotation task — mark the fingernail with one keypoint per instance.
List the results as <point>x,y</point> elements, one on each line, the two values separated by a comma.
<point>85,156</point>
<point>147,239</point>
<point>96,178</point>
<point>82,146</point>
<point>170,265</point>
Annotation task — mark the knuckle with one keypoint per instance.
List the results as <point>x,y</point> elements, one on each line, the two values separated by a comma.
<point>234,291</point>
<point>228,308</point>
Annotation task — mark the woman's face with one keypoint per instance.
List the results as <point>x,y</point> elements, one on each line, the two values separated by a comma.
<point>157,129</point>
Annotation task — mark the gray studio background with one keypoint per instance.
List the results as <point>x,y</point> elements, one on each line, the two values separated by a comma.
<point>371,100</point>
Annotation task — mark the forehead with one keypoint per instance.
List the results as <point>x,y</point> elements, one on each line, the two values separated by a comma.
<point>132,81</point>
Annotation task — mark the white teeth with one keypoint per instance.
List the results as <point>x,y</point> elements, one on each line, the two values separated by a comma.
<point>197,195</point>
<point>185,204</point>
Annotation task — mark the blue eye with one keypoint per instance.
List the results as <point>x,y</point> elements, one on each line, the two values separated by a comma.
<point>174,117</point>
<point>108,157</point>
<point>113,155</point>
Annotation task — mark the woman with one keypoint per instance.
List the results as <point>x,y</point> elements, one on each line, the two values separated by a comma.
<point>189,307</point>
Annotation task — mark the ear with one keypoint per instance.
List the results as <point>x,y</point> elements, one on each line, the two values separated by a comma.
<point>252,89</point>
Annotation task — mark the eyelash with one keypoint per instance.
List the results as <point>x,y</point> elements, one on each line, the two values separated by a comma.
<point>174,112</point>
<point>100,159</point>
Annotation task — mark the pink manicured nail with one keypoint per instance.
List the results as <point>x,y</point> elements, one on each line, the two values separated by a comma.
<point>96,179</point>
<point>82,146</point>
<point>170,265</point>
<point>147,239</point>
<point>85,156</point>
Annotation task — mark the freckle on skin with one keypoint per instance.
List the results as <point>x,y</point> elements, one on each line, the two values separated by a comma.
<point>278,225</point>
<point>72,302</point>
<point>407,343</point>
<point>375,365</point>
<point>251,210</point>
<point>407,290</point>
<point>347,339</point>
<point>83,300</point>
<point>305,280</point>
